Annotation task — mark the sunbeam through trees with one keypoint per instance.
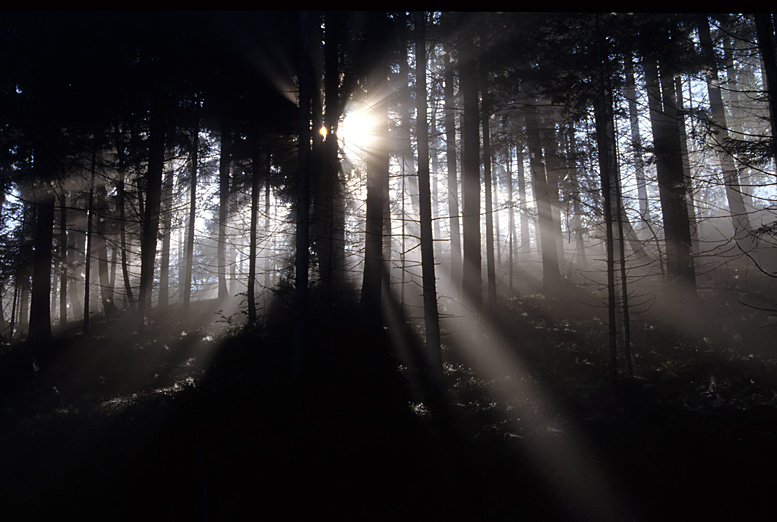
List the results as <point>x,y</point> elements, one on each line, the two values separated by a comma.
<point>387,265</point>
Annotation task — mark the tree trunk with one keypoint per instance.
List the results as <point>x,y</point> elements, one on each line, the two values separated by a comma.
<point>510,216</point>
<point>189,255</point>
<point>224,168</point>
<point>554,167</point>
<point>89,242</point>
<point>551,276</point>
<point>453,180</point>
<point>431,317</point>
<point>63,276</point>
<point>608,169</point>
<point>578,228</point>
<point>101,247</point>
<point>671,182</point>
<point>377,157</point>
<point>765,33</point>
<point>40,303</point>
<point>523,207</point>
<point>303,205</point>
<point>156,162</point>
<point>488,186</point>
<point>636,141</point>
<point>251,284</point>
<point>736,203</point>
<point>166,222</point>
<point>470,175</point>
<point>75,245</point>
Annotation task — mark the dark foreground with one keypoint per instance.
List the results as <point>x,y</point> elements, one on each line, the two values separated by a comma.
<point>191,425</point>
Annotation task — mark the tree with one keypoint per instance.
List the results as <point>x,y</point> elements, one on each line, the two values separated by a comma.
<point>766,45</point>
<point>191,223</point>
<point>551,276</point>
<point>719,131</point>
<point>251,284</point>
<point>669,166</point>
<point>303,204</point>
<point>485,115</point>
<point>470,170</point>
<point>225,162</point>
<point>156,160</point>
<point>453,179</point>
<point>431,318</point>
<point>377,174</point>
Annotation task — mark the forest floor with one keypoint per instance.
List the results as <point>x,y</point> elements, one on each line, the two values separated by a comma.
<point>198,420</point>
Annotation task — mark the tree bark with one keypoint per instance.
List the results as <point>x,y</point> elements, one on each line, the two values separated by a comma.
<point>453,180</point>
<point>671,182</point>
<point>551,276</point>
<point>736,203</point>
<point>765,35</point>
<point>156,161</point>
<point>189,262</point>
<point>608,169</point>
<point>470,174</point>
<point>636,140</point>
<point>510,216</point>
<point>40,304</point>
<point>101,247</point>
<point>377,173</point>
<point>523,208</point>
<point>63,276</point>
<point>488,187</point>
<point>224,178</point>
<point>431,317</point>
<point>166,224</point>
<point>303,206</point>
<point>251,283</point>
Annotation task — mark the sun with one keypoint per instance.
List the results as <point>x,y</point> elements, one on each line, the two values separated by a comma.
<point>357,132</point>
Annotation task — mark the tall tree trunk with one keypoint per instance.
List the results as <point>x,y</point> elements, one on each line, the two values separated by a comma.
<point>554,166</point>
<point>690,199</point>
<point>75,245</point>
<point>156,162</point>
<point>431,317</point>
<point>671,182</point>
<point>164,259</point>
<point>736,203</point>
<point>268,247</point>
<point>735,110</point>
<point>510,216</point>
<point>332,244</point>
<point>487,187</point>
<point>766,46</point>
<point>577,215</point>
<point>608,168</point>
<point>40,303</point>
<point>251,284</point>
<point>303,205</point>
<point>63,258</point>
<point>470,174</point>
<point>89,240</point>
<point>636,142</point>
<point>523,207</point>
<point>551,275</point>
<point>377,157</point>
<point>189,255</point>
<point>453,180</point>
<point>101,247</point>
<point>123,239</point>
<point>224,181</point>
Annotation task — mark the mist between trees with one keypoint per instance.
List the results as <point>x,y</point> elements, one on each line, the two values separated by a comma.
<point>453,160</point>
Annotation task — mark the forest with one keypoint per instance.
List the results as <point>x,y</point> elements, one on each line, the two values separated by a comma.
<point>386,265</point>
